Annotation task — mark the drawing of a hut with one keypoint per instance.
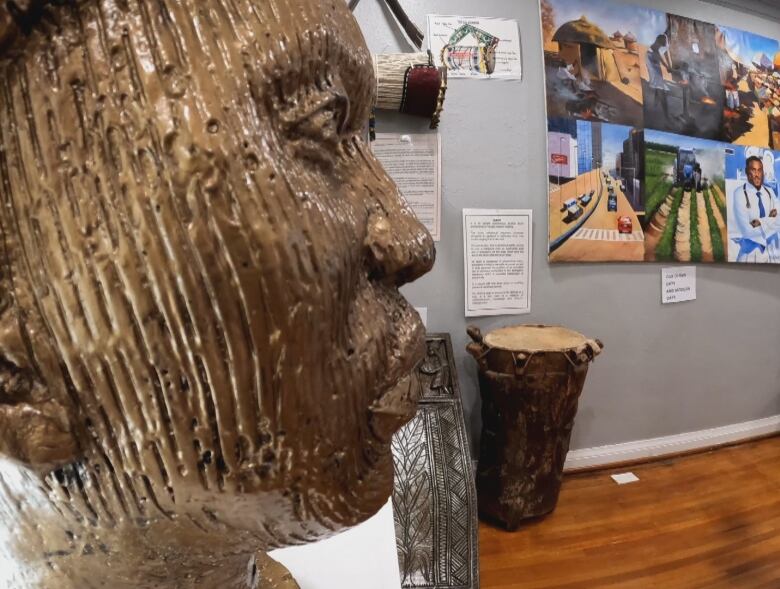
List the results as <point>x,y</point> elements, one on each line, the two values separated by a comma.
<point>470,48</point>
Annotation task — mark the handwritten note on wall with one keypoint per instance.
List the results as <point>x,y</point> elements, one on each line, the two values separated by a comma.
<point>678,284</point>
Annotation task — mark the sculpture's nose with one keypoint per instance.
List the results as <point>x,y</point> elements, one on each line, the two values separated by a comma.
<point>398,246</point>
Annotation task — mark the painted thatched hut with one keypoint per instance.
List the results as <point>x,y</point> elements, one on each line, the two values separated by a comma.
<point>584,45</point>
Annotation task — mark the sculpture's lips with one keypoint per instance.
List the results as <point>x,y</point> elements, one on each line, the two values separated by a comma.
<point>398,404</point>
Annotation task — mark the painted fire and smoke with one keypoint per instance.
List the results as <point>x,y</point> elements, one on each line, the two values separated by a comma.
<point>653,121</point>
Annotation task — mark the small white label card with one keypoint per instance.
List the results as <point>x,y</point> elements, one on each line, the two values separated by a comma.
<point>678,284</point>
<point>625,478</point>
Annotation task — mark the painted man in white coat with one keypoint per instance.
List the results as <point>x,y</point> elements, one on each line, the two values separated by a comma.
<point>756,216</point>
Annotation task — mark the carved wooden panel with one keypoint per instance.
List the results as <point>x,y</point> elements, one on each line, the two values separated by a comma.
<point>434,499</point>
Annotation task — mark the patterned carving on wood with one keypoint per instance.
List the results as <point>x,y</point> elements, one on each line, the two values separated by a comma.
<point>434,498</point>
<point>411,503</point>
<point>436,371</point>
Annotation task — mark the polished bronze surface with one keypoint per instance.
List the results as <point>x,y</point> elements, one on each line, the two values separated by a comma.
<point>273,575</point>
<point>203,351</point>
<point>530,379</point>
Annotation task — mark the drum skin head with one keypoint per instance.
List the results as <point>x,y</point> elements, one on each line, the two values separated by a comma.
<point>535,338</point>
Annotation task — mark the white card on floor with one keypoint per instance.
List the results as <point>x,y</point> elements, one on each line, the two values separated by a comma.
<point>678,284</point>
<point>625,478</point>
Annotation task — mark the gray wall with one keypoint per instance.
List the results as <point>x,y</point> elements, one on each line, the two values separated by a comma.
<point>666,369</point>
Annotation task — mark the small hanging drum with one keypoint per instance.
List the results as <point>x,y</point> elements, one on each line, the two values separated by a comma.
<point>530,378</point>
<point>411,84</point>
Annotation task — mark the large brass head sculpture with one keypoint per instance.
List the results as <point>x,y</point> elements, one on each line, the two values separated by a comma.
<point>203,351</point>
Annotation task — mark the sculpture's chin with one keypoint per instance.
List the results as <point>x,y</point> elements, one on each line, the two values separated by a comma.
<point>374,490</point>
<point>395,408</point>
<point>374,485</point>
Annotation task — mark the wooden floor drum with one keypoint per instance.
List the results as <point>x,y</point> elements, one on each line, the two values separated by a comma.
<point>530,377</point>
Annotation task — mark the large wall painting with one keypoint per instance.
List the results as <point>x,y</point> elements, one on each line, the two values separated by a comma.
<point>663,137</point>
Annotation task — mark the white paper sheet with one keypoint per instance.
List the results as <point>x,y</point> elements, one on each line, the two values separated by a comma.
<point>362,557</point>
<point>475,46</point>
<point>625,478</point>
<point>497,258</point>
<point>414,164</point>
<point>678,284</point>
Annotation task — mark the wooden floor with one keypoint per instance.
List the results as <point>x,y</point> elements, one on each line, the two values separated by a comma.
<point>705,521</point>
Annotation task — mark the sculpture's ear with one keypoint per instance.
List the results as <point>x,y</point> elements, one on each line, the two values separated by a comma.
<point>35,427</point>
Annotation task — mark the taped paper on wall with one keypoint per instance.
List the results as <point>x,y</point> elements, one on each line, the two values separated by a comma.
<point>678,284</point>
<point>497,257</point>
<point>414,164</point>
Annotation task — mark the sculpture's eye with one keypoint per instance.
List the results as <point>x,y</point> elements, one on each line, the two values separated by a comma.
<point>316,124</point>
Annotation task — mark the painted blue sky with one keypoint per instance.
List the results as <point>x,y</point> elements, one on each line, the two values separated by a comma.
<point>646,24</point>
<point>612,138</point>
<point>710,154</point>
<point>747,46</point>
<point>682,140</point>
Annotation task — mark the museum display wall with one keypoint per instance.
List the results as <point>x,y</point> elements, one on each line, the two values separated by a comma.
<point>670,369</point>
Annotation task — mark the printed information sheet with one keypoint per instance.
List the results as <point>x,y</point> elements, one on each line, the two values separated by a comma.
<point>497,257</point>
<point>476,47</point>
<point>414,163</point>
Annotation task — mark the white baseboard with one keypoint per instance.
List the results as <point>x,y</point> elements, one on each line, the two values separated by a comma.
<point>655,447</point>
